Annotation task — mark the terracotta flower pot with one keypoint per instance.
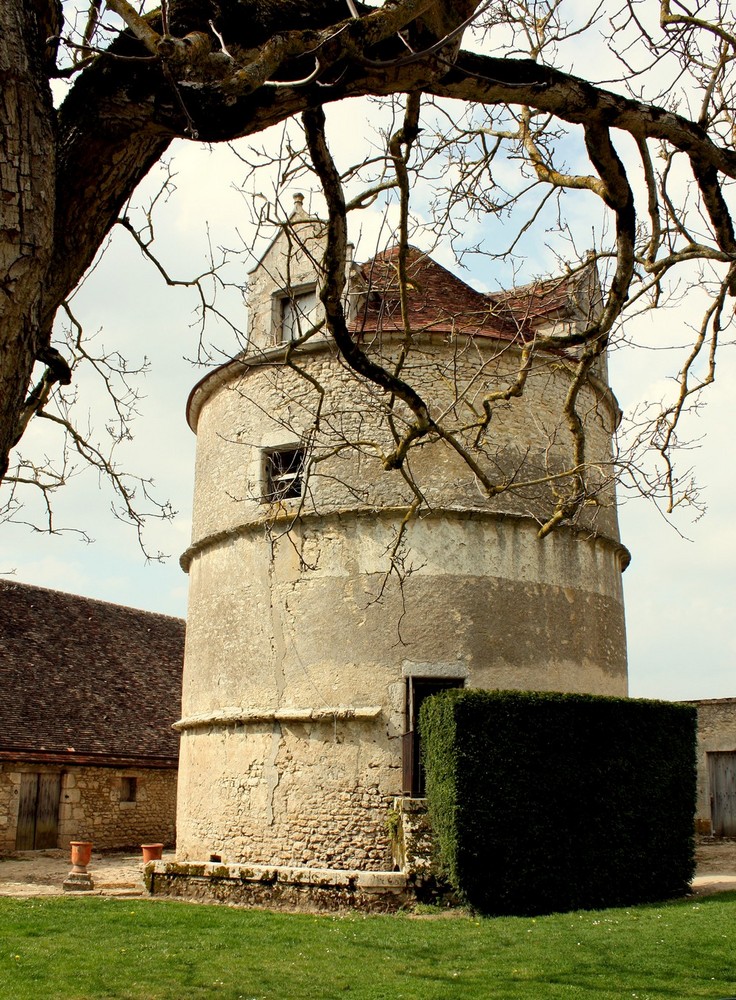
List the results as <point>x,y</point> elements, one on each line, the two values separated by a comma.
<point>152,852</point>
<point>81,853</point>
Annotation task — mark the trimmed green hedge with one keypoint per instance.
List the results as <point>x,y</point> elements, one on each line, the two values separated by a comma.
<point>544,802</point>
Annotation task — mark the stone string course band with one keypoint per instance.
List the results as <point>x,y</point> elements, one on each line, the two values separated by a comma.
<point>242,716</point>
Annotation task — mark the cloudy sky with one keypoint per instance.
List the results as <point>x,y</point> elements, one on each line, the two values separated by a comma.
<point>680,590</point>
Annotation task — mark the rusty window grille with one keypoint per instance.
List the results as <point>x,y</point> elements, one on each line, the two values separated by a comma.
<point>284,474</point>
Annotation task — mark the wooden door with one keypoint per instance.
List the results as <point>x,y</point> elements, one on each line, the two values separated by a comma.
<point>38,811</point>
<point>47,811</point>
<point>26,831</point>
<point>417,689</point>
<point>722,778</point>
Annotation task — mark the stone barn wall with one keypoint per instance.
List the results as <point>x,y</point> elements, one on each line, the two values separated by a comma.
<point>716,733</point>
<point>90,806</point>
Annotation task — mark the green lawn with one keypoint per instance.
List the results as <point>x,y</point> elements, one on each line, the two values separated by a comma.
<point>90,948</point>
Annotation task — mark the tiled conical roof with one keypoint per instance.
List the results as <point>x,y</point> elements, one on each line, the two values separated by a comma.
<point>438,301</point>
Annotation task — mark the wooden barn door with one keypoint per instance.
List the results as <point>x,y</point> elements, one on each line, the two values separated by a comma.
<point>722,778</point>
<point>38,812</point>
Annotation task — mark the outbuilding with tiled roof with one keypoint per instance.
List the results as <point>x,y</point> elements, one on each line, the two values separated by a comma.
<point>90,692</point>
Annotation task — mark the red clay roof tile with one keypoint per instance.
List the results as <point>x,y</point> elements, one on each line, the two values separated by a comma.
<point>440,302</point>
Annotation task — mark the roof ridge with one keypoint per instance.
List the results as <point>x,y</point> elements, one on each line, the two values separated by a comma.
<point>12,584</point>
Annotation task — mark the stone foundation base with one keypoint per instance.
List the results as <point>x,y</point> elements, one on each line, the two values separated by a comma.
<point>78,882</point>
<point>279,888</point>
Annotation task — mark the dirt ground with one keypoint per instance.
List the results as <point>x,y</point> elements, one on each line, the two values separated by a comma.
<point>41,873</point>
<point>715,866</point>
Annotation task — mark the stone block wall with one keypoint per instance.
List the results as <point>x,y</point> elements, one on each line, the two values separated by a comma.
<point>280,792</point>
<point>280,888</point>
<point>9,794</point>
<point>716,733</point>
<point>90,806</point>
<point>410,830</point>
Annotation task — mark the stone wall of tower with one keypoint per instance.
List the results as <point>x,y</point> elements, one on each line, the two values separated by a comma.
<point>303,633</point>
<point>278,655</point>
<point>290,792</point>
<point>297,624</point>
<point>262,405</point>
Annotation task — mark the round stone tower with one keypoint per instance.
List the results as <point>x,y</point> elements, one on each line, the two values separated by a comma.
<point>321,611</point>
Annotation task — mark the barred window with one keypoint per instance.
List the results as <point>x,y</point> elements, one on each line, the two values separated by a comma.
<point>284,474</point>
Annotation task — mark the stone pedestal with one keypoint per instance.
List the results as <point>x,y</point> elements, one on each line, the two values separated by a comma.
<point>78,881</point>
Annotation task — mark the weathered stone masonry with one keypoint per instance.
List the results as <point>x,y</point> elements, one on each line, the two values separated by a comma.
<point>302,649</point>
<point>90,806</point>
<point>716,751</point>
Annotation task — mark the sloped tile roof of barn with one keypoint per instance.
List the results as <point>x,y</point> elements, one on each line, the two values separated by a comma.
<point>440,302</point>
<point>86,681</point>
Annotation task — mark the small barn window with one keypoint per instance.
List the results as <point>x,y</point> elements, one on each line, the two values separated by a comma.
<point>128,789</point>
<point>284,474</point>
<point>297,314</point>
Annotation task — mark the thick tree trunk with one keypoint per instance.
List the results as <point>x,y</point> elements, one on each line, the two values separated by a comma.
<point>27,181</point>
